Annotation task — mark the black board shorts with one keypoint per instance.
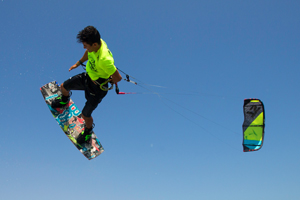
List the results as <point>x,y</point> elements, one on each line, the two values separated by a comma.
<point>93,93</point>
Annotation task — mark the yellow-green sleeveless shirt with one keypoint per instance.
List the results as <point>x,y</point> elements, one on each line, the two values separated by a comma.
<point>100,63</point>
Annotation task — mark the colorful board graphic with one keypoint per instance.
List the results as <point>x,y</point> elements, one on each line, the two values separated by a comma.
<point>70,120</point>
<point>254,124</point>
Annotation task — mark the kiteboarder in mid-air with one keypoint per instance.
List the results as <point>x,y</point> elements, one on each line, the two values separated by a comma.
<point>99,69</point>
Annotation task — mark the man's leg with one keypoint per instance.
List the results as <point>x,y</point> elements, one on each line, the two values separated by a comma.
<point>74,83</point>
<point>94,96</point>
<point>88,121</point>
<point>64,92</point>
<point>86,114</point>
<point>63,100</point>
<point>87,133</point>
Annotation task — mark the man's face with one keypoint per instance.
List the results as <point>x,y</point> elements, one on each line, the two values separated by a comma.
<point>90,48</point>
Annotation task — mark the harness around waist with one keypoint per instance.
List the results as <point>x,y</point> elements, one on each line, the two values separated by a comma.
<point>103,84</point>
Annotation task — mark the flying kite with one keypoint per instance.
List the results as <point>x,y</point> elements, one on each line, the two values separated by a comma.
<point>254,125</point>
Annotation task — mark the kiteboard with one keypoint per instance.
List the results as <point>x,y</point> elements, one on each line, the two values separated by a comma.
<point>71,122</point>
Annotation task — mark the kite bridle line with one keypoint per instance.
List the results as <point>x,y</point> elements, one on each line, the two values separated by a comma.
<point>164,100</point>
<point>128,77</point>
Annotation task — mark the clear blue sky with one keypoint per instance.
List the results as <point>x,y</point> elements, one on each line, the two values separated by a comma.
<point>210,56</point>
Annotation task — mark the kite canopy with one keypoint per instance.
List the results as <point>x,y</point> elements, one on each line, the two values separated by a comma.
<point>254,124</point>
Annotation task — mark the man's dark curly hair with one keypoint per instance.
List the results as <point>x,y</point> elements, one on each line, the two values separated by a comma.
<point>90,35</point>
